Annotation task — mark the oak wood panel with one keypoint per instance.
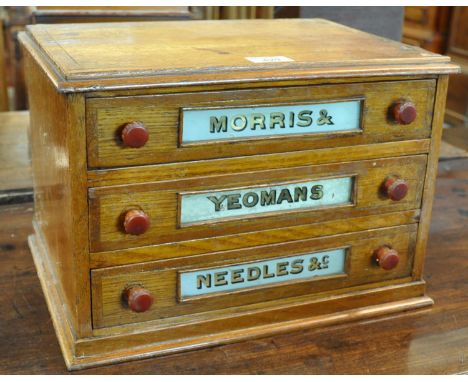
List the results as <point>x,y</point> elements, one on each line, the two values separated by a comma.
<point>404,293</point>
<point>59,180</point>
<point>79,210</point>
<point>138,62</point>
<point>64,324</point>
<point>160,278</point>
<point>254,238</point>
<point>214,167</point>
<point>160,202</point>
<point>260,84</point>
<point>430,177</point>
<point>300,315</point>
<point>52,188</point>
<point>200,49</point>
<point>161,115</point>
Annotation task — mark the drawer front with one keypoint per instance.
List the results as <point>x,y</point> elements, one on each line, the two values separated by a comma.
<point>242,278</point>
<point>188,209</point>
<point>207,125</point>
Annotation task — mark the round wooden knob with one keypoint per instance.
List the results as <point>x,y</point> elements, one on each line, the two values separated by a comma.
<point>136,222</point>
<point>134,134</point>
<point>386,257</point>
<point>404,113</point>
<point>395,188</point>
<point>138,299</point>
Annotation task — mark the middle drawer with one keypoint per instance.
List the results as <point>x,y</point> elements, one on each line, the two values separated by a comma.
<point>186,209</point>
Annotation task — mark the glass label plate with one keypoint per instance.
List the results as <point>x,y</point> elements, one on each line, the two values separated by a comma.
<point>224,204</point>
<point>204,125</point>
<point>261,273</point>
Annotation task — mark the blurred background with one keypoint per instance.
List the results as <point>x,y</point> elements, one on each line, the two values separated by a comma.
<point>442,30</point>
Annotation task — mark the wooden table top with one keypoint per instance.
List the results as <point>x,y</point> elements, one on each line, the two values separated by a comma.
<point>428,341</point>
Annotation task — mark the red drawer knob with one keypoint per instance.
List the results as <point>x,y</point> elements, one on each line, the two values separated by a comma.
<point>136,222</point>
<point>404,113</point>
<point>386,257</point>
<point>138,299</point>
<point>135,135</point>
<point>395,188</point>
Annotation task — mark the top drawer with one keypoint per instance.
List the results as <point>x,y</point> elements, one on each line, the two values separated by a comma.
<point>218,124</point>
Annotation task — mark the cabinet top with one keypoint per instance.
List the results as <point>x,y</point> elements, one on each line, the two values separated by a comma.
<point>106,56</point>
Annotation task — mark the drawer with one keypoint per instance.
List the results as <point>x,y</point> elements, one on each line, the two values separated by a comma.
<point>193,208</point>
<point>247,279</point>
<point>219,124</point>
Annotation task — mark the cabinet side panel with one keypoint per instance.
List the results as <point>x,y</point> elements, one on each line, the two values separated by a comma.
<point>430,178</point>
<point>52,180</point>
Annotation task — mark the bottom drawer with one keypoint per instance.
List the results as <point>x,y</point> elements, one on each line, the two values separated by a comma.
<point>222,280</point>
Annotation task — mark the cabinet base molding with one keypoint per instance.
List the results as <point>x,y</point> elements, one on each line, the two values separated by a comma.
<point>138,343</point>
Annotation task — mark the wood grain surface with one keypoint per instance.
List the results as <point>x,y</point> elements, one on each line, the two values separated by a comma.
<point>51,179</point>
<point>200,50</point>
<point>171,171</point>
<point>59,167</point>
<point>433,340</point>
<point>159,200</point>
<point>153,54</point>
<point>160,277</point>
<point>256,238</point>
<point>161,115</point>
<point>92,14</point>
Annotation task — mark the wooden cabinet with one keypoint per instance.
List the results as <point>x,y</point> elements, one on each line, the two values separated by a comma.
<point>240,182</point>
<point>236,12</point>
<point>458,42</point>
<point>427,27</point>
<point>444,30</point>
<point>457,98</point>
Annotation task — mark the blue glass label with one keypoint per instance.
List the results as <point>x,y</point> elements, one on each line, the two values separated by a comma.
<point>202,125</point>
<point>261,273</point>
<point>223,204</point>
